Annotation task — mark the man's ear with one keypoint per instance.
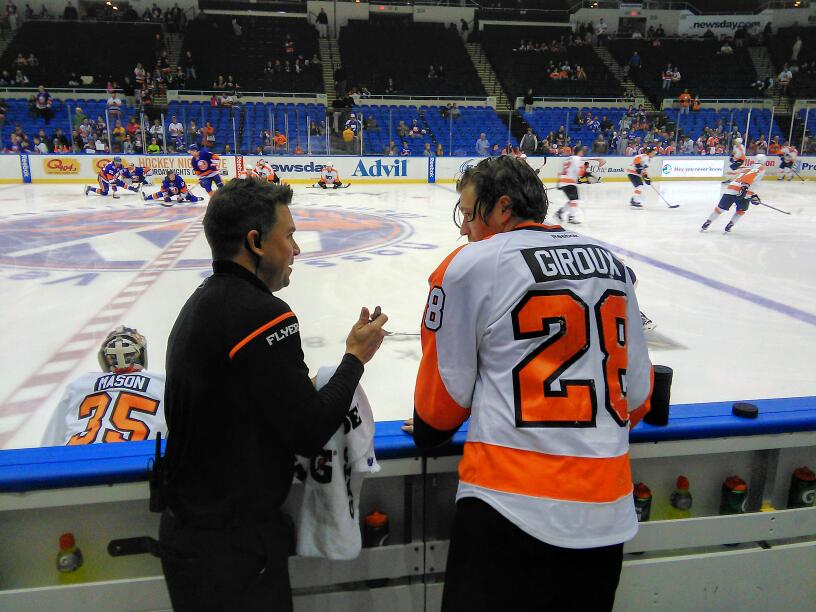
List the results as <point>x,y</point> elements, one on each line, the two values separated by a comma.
<point>503,206</point>
<point>253,241</point>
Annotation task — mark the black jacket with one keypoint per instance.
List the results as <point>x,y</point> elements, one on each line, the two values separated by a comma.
<point>239,402</point>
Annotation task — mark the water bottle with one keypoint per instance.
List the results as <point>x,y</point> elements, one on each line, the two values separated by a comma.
<point>69,560</point>
<point>680,500</point>
<point>802,488</point>
<point>376,529</point>
<point>734,496</point>
<point>643,502</point>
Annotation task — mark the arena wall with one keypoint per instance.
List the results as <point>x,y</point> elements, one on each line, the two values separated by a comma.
<point>384,170</point>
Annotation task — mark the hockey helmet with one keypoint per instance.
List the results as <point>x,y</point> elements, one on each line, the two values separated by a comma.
<point>123,348</point>
<point>353,116</point>
<point>172,172</point>
<point>649,149</point>
<point>117,159</point>
<point>738,140</point>
<point>760,159</point>
<point>192,147</point>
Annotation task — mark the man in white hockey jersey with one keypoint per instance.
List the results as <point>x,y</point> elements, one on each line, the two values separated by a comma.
<point>125,403</point>
<point>571,172</point>
<point>737,159</point>
<point>787,164</point>
<point>533,332</point>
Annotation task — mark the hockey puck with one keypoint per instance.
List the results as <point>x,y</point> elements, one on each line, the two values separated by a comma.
<point>745,410</point>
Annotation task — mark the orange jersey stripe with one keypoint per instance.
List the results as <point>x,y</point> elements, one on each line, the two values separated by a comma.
<point>432,402</point>
<point>258,332</point>
<point>525,472</point>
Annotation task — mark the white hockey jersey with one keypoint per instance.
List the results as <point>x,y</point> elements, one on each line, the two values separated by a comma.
<point>738,152</point>
<point>329,175</point>
<point>535,334</point>
<point>108,407</point>
<point>790,154</point>
<point>572,170</point>
<point>328,523</point>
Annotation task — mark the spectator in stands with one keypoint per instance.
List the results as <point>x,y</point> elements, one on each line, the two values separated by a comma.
<point>599,145</point>
<point>175,131</point>
<point>39,146</point>
<point>495,151</point>
<point>391,149</point>
<point>43,103</point>
<point>726,49</point>
<point>440,152</point>
<point>21,79</point>
<point>279,141</point>
<point>580,74</point>
<point>114,106</point>
<point>634,64</point>
<point>606,124</point>
<point>529,142</point>
<point>119,135</point>
<point>796,49</point>
<point>415,131</point>
<point>784,79</point>
<point>322,22</point>
<point>406,149</point>
<point>601,31</point>
<point>390,89</point>
<point>455,112</point>
<point>463,26</point>
<point>70,12</point>
<point>208,136</point>
<point>482,145</point>
<point>684,100</point>
<point>189,66</point>
<point>775,147</point>
<point>431,72</point>
<point>340,83</point>
<point>426,152</point>
<point>761,145</point>
<point>696,105</point>
<point>11,15</point>
<point>402,129</point>
<point>528,101</point>
<point>153,148</point>
<point>371,124</point>
<point>666,76</point>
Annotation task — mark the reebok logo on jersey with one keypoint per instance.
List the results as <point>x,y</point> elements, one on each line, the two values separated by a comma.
<point>125,381</point>
<point>572,262</point>
<point>282,333</point>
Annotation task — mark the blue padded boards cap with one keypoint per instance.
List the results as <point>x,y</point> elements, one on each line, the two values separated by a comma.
<point>97,464</point>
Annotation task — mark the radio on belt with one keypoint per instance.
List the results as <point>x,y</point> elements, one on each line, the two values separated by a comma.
<point>745,410</point>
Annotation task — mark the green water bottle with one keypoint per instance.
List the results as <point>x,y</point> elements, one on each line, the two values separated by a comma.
<point>680,500</point>
<point>69,560</point>
<point>643,502</point>
<point>802,489</point>
<point>734,496</point>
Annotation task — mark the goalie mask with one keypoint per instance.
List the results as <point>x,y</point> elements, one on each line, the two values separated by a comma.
<point>124,348</point>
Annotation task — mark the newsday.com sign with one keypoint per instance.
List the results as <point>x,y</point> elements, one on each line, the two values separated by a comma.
<point>697,25</point>
<point>692,168</point>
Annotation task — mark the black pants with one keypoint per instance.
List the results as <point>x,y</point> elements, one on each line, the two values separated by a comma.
<point>209,570</point>
<point>494,565</point>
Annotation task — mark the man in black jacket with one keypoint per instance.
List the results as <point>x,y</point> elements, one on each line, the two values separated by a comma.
<point>240,405</point>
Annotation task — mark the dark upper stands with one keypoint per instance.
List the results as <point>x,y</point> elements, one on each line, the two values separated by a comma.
<point>703,71</point>
<point>780,46</point>
<point>63,47</point>
<point>524,10</point>
<point>725,7</point>
<point>519,71</point>
<point>373,53</point>
<point>244,57</point>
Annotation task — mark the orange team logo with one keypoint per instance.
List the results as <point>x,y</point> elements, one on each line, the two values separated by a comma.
<point>61,165</point>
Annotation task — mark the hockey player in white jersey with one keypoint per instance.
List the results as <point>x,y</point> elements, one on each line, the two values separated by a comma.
<point>124,403</point>
<point>737,159</point>
<point>740,192</point>
<point>329,176</point>
<point>787,164</point>
<point>534,335</point>
<point>568,178</point>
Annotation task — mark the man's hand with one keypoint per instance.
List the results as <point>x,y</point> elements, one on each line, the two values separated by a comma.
<point>408,426</point>
<point>366,335</point>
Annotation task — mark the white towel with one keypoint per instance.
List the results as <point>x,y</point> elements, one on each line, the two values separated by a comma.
<point>328,523</point>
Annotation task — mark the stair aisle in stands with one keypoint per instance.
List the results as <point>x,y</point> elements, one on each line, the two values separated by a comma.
<point>627,83</point>
<point>488,76</point>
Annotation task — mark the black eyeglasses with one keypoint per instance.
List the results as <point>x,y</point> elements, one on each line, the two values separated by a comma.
<point>460,217</point>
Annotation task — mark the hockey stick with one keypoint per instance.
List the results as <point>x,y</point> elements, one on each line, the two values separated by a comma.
<point>797,174</point>
<point>660,195</point>
<point>784,212</point>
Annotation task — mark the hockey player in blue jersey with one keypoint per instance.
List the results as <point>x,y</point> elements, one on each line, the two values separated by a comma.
<point>108,178</point>
<point>137,176</point>
<point>205,165</point>
<point>173,186</point>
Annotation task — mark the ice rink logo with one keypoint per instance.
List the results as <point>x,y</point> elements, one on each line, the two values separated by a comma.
<point>129,239</point>
<point>667,168</point>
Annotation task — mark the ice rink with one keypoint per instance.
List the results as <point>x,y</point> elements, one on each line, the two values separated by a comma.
<point>735,314</point>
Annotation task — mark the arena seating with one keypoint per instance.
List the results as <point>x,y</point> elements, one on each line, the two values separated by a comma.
<point>703,71</point>
<point>693,124</point>
<point>519,71</point>
<point>466,129</point>
<point>373,53</point>
<point>780,45</point>
<point>63,47</point>
<point>245,56</point>
<point>546,120</point>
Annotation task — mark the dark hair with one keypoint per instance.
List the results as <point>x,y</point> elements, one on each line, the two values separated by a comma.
<point>239,206</point>
<point>494,177</point>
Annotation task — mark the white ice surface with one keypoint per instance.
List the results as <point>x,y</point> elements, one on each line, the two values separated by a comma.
<point>736,314</point>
